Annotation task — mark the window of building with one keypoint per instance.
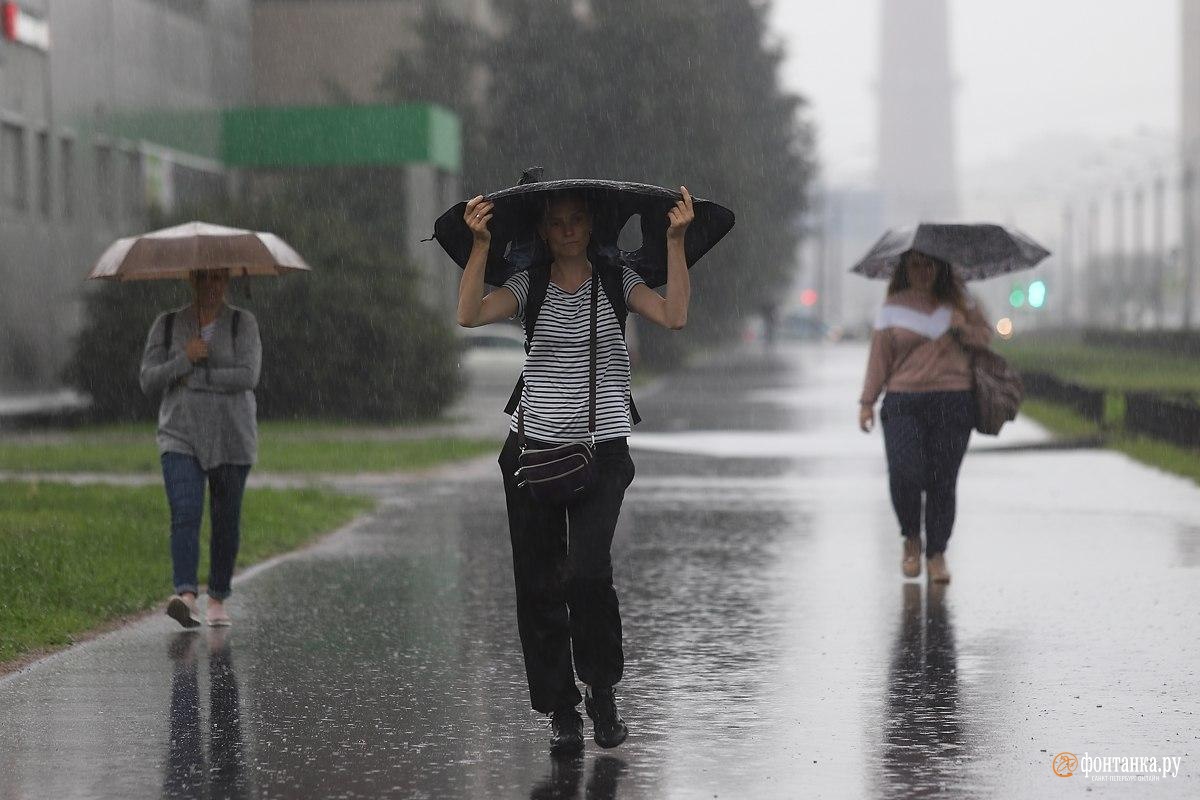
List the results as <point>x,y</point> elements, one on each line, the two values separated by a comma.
<point>192,185</point>
<point>66,167</point>
<point>43,173</point>
<point>12,153</point>
<point>106,187</point>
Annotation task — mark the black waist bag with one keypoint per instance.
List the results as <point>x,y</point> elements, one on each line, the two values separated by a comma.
<point>560,474</point>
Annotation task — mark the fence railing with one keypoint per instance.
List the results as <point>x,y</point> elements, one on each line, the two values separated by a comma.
<point>1174,420</point>
<point>1184,343</point>
<point>1087,403</point>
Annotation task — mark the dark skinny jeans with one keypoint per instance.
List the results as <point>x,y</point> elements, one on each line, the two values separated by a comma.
<point>184,481</point>
<point>926,435</point>
<point>563,569</point>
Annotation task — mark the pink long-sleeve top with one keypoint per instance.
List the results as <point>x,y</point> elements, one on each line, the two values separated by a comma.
<point>915,349</point>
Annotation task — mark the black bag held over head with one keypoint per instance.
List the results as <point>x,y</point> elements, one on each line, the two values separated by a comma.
<point>560,474</point>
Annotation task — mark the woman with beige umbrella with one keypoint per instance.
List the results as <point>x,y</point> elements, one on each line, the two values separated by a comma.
<point>204,360</point>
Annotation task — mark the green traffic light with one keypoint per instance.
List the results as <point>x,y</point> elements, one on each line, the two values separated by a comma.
<point>1017,298</point>
<point>1037,294</point>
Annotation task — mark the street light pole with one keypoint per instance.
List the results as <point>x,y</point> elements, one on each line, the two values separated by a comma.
<point>1092,283</point>
<point>1189,242</point>
<point>1117,286</point>
<point>834,290</point>
<point>822,259</point>
<point>1160,248</point>
<point>1068,267</point>
<point>1138,266</point>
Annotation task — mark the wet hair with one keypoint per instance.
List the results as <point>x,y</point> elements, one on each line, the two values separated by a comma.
<point>947,287</point>
<point>558,197</point>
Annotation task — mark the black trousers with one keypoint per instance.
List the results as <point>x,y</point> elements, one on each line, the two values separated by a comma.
<point>562,564</point>
<point>926,435</point>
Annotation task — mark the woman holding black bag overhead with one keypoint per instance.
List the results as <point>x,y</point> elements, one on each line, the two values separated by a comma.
<point>566,462</point>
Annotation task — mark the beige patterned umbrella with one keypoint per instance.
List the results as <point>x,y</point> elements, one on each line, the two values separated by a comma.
<point>176,252</point>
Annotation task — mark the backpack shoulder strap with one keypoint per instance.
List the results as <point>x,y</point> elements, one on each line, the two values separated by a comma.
<point>235,323</point>
<point>539,284</point>
<point>612,279</point>
<point>168,330</point>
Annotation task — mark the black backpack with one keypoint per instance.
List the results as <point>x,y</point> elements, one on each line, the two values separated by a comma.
<point>539,283</point>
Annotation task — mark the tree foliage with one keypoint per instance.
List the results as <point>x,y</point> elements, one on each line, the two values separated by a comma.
<point>662,93</point>
<point>351,340</point>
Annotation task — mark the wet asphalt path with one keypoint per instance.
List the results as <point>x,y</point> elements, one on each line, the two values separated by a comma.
<point>773,649</point>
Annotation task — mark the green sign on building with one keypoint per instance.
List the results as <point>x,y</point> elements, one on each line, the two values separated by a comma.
<point>345,136</point>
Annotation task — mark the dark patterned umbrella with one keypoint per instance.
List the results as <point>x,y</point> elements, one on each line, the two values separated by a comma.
<point>516,245</point>
<point>975,251</point>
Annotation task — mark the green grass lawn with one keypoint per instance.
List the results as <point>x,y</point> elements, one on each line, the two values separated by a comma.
<point>1114,370</point>
<point>1164,455</point>
<point>1110,368</point>
<point>282,448</point>
<point>1060,420</point>
<point>75,557</point>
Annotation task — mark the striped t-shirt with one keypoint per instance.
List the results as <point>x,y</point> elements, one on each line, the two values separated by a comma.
<point>555,397</point>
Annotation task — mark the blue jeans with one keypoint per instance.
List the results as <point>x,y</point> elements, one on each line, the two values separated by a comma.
<point>926,435</point>
<point>184,481</point>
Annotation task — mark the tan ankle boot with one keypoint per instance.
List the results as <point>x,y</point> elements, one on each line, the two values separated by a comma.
<point>910,563</point>
<point>936,568</point>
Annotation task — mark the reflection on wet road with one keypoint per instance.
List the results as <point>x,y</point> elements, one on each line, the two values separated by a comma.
<point>923,741</point>
<point>188,772</point>
<point>773,649</point>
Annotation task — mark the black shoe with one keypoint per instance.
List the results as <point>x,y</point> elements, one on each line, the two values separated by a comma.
<point>183,612</point>
<point>566,737</point>
<point>608,729</point>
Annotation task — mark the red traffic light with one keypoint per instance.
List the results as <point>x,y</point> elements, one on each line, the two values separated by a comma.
<point>808,298</point>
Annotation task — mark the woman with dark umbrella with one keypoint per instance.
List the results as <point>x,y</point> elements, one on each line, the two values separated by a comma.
<point>917,352</point>
<point>566,603</point>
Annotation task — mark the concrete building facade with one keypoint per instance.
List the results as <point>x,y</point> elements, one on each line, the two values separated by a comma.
<point>321,52</point>
<point>317,53</point>
<point>112,109</point>
<point>917,172</point>
<point>1190,157</point>
<point>79,156</point>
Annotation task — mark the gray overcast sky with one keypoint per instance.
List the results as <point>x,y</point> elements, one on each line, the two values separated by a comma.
<point>1026,68</point>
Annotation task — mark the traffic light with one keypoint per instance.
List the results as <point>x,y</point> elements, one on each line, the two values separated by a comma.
<point>1037,294</point>
<point>1034,294</point>
<point>808,298</point>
